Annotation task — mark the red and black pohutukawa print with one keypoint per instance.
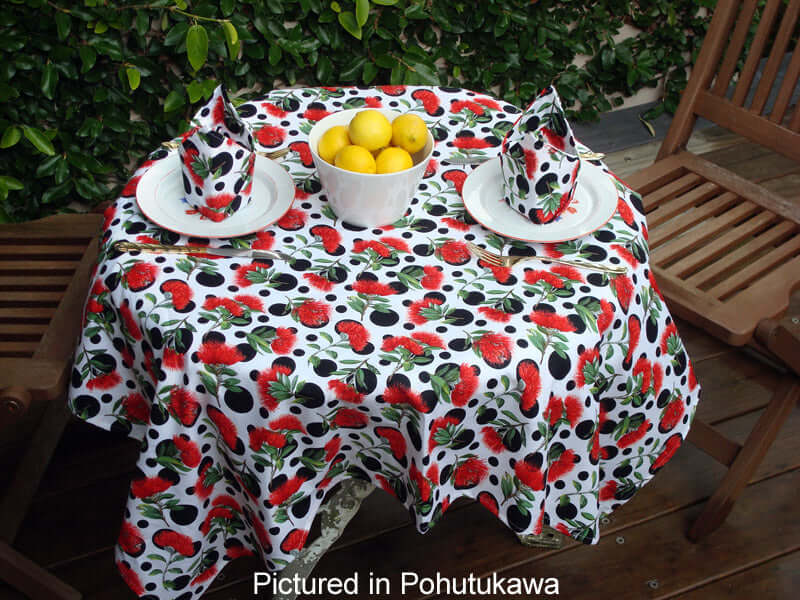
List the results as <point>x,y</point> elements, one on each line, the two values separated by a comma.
<point>547,393</point>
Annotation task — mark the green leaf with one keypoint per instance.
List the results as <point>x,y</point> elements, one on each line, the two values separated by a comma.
<point>370,71</point>
<point>88,58</point>
<point>11,136</point>
<point>385,2</point>
<point>10,183</point>
<point>174,101</point>
<point>176,35</point>
<point>49,80</point>
<point>63,24</point>
<point>142,22</point>
<point>275,54</point>
<point>134,77</point>
<point>231,39</point>
<point>197,46</point>
<point>362,12</point>
<point>39,140</point>
<point>226,6</point>
<point>348,21</point>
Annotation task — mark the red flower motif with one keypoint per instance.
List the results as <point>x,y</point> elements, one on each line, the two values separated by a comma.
<point>457,178</point>
<point>672,415</point>
<point>286,490</point>
<point>634,330</point>
<point>219,353</point>
<point>226,303</point>
<point>287,423</point>
<point>423,485</point>
<point>395,242</point>
<point>430,339</point>
<point>182,544</point>
<point>455,224</point>
<point>454,252</point>
<point>130,538</point>
<point>108,216</point>
<point>607,491</point>
<point>265,380</point>
<point>625,254</point>
<point>468,142</point>
<point>237,552</point>
<point>251,302</point>
<point>458,105</point>
<point>189,452</point>
<point>209,214</point>
<point>553,138</point>
<point>642,367</point>
<point>531,162</point>
<point>292,219</point>
<point>104,382</point>
<point>357,335</point>
<point>551,320</point>
<point>264,241</point>
<point>606,315</point>
<point>533,277</point>
<point>205,575</point>
<point>430,101</point>
<point>385,485</point>
<point>140,275</point>
<point>587,356</point>
<point>393,90</point>
<point>202,490</point>
<point>273,110</point>
<point>345,392</point>
<point>189,157</point>
<point>218,112</point>
<point>270,135</point>
<point>430,169</point>
<point>183,406</point>
<point>130,187</point>
<point>372,287</point>
<point>390,343</point>
<point>397,394</point>
<point>470,473</point>
<point>669,331</point>
<point>380,249</point>
<point>670,448</point>
<point>396,440</point>
<point>529,475</point>
<point>494,348</point>
<point>465,388</point>
<point>332,448</point>
<point>658,378</point>
<point>136,407</point>
<point>567,272</point>
<point>304,152</point>
<point>652,278</point>
<point>130,578</point>
<point>560,467</point>
<point>295,540</point>
<point>219,201</point>
<point>180,293</point>
<point>440,423</point>
<point>262,435</point>
<point>623,287</point>
<point>318,282</point>
<point>432,279</point>
<point>501,274</point>
<point>488,103</point>
<point>488,502</point>
<point>692,378</point>
<point>242,274</point>
<point>415,309</point>
<point>147,487</point>
<point>574,409</point>
<point>494,314</point>
<point>553,411</point>
<point>350,417</point>
<point>329,236</point>
<point>528,372</point>
<point>372,102</point>
<point>312,313</point>
<point>315,114</point>
<point>284,341</point>
<point>492,439</point>
<point>630,438</point>
<point>224,425</point>
<point>625,211</point>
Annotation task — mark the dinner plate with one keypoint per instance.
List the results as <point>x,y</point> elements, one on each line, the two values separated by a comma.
<point>594,203</point>
<point>160,196</point>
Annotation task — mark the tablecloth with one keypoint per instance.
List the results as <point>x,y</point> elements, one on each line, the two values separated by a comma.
<point>548,394</point>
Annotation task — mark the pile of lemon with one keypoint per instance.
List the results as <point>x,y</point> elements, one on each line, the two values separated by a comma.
<point>372,144</point>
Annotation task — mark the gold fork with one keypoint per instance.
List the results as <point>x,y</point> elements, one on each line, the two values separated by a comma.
<point>496,260</point>
<point>173,145</point>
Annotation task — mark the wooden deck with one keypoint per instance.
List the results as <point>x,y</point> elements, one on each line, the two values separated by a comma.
<point>643,553</point>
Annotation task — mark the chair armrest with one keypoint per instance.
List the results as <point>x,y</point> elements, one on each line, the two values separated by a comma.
<point>782,338</point>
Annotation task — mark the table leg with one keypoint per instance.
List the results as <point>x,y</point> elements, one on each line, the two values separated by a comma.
<point>335,514</point>
<point>549,538</point>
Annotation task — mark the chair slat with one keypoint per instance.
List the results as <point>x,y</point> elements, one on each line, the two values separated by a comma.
<point>787,88</point>
<point>681,203</point>
<point>23,281</point>
<point>15,331</point>
<point>26,314</point>
<point>756,51</point>
<point>75,250</point>
<point>56,228</point>
<point>734,49</point>
<point>753,271</point>
<point>26,298</point>
<point>690,218</point>
<point>656,175</point>
<point>19,349</point>
<point>16,266</point>
<point>735,258</point>
<point>673,249</point>
<point>709,249</point>
<point>680,185</point>
<point>776,55</point>
<point>769,296</point>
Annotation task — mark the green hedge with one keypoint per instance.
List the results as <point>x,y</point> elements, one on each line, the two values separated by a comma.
<point>87,88</point>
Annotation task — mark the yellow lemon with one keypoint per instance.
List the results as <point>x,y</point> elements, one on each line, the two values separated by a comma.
<point>391,160</point>
<point>355,158</point>
<point>331,142</point>
<point>370,129</point>
<point>409,132</point>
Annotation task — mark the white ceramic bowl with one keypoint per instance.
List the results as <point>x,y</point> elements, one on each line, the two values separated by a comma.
<point>364,199</point>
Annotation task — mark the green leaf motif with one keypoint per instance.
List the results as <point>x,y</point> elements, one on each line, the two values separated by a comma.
<point>197,46</point>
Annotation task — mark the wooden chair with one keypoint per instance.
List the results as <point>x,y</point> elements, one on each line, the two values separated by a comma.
<point>725,251</point>
<point>45,267</point>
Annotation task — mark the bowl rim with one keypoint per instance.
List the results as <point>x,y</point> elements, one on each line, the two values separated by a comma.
<point>425,159</point>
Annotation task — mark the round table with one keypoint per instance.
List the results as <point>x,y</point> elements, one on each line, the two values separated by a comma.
<point>547,393</point>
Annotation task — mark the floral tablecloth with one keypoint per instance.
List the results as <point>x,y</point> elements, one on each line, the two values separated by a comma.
<point>548,394</point>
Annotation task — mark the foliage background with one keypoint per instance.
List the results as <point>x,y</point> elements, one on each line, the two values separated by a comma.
<point>87,88</point>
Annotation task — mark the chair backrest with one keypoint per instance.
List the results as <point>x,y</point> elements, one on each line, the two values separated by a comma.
<point>756,104</point>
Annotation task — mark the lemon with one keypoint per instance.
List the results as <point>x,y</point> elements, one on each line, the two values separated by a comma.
<point>409,132</point>
<point>370,129</point>
<point>391,160</point>
<point>331,142</point>
<point>355,158</point>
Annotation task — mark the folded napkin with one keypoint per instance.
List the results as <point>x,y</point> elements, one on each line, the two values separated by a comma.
<point>540,161</point>
<point>217,159</point>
